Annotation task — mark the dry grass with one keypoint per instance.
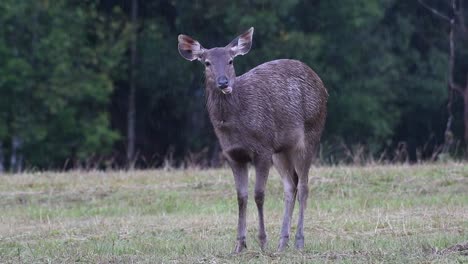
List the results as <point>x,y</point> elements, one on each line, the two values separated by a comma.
<point>400,214</point>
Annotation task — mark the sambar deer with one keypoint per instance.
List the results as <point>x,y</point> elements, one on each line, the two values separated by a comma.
<point>273,114</point>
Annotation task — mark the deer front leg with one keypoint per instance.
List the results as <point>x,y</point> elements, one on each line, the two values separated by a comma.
<point>262,169</point>
<point>241,180</point>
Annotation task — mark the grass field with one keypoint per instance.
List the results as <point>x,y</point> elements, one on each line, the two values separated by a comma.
<point>374,214</point>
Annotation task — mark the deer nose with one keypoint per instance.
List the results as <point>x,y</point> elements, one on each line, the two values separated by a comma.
<point>222,82</point>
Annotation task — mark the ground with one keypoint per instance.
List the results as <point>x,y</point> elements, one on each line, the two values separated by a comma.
<point>371,214</point>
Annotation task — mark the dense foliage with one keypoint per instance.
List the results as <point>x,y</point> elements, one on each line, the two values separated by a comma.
<point>64,76</point>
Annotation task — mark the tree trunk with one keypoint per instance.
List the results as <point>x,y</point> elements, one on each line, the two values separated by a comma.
<point>457,15</point>
<point>16,159</point>
<point>131,118</point>
<point>448,135</point>
<point>465,119</point>
<point>2,168</point>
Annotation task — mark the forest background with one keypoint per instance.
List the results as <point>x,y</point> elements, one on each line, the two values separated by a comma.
<point>99,83</point>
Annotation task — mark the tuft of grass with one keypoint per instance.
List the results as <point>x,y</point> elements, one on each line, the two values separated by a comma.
<point>371,214</point>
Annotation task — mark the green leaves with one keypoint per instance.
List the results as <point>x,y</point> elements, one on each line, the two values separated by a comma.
<point>64,71</point>
<point>56,82</point>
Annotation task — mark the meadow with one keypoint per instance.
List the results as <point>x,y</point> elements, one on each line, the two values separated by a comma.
<point>369,214</point>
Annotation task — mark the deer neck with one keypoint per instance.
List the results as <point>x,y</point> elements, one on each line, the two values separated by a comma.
<point>221,107</point>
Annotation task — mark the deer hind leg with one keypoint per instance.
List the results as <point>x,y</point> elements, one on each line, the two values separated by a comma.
<point>302,162</point>
<point>285,168</point>
<point>240,172</point>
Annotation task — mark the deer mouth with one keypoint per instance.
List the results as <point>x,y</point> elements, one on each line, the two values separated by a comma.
<point>227,90</point>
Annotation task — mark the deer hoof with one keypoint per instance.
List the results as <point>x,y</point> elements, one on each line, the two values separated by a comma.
<point>283,244</point>
<point>240,246</point>
<point>263,243</point>
<point>299,243</point>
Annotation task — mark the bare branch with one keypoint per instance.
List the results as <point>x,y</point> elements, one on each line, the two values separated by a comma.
<point>435,11</point>
<point>461,18</point>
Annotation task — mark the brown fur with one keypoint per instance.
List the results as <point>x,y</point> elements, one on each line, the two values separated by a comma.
<point>275,114</point>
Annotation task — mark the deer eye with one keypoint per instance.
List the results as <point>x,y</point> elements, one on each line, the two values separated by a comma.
<point>207,63</point>
<point>230,62</point>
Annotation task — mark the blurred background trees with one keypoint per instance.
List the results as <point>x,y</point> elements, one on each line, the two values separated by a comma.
<point>66,77</point>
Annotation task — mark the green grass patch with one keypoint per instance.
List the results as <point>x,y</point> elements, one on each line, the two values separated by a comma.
<point>375,214</point>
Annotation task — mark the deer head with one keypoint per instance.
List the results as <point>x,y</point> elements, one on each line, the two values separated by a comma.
<point>219,67</point>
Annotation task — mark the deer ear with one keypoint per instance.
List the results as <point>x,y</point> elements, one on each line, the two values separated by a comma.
<point>189,48</point>
<point>242,44</point>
